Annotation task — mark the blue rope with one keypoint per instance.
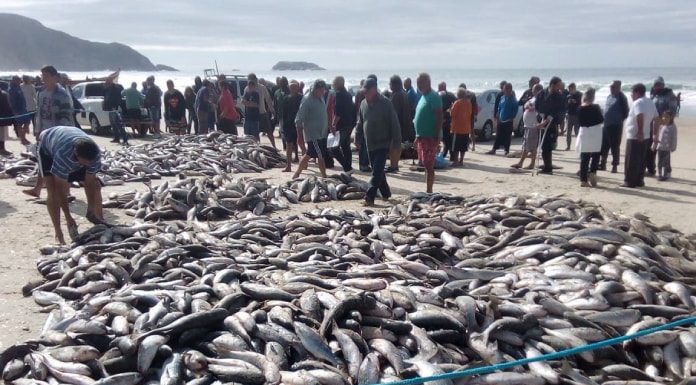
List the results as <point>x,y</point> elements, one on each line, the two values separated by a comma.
<point>18,116</point>
<point>30,114</point>
<point>544,357</point>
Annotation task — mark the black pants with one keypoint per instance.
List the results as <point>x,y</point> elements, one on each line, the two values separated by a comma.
<point>664,163</point>
<point>611,140</point>
<point>342,153</point>
<point>378,159</point>
<point>363,157</point>
<point>634,164</point>
<point>446,139</point>
<point>589,163</point>
<point>503,136</point>
<point>650,156</point>
<point>547,146</point>
<point>572,128</point>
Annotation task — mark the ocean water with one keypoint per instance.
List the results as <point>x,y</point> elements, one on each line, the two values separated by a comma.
<point>681,80</point>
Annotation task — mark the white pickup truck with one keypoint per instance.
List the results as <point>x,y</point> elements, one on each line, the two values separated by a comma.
<point>91,96</point>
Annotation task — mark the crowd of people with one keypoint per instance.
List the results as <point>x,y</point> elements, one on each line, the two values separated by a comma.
<point>402,122</point>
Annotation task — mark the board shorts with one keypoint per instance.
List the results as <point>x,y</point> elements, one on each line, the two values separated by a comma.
<point>460,142</point>
<point>227,126</point>
<point>317,148</point>
<point>46,163</point>
<point>290,133</point>
<point>265,123</point>
<point>426,151</point>
<point>132,114</point>
<point>155,114</point>
<point>531,139</point>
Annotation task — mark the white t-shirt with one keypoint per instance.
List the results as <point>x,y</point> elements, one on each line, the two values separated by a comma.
<point>529,117</point>
<point>643,106</point>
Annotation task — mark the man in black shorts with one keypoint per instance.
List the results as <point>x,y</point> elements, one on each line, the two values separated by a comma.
<point>66,155</point>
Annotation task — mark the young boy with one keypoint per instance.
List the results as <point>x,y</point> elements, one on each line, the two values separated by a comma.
<point>665,144</point>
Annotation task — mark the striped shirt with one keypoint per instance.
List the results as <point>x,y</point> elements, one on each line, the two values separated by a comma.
<point>59,143</point>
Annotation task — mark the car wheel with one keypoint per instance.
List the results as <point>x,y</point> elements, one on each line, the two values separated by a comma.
<point>94,125</point>
<point>486,131</point>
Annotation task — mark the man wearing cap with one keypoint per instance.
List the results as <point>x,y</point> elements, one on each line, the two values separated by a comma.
<point>427,122</point>
<point>665,100</point>
<point>378,126</point>
<point>615,112</point>
<point>312,120</point>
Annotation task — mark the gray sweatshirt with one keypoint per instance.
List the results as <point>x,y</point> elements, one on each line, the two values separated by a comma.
<point>379,125</point>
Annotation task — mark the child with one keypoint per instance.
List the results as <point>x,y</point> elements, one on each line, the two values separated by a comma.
<point>666,142</point>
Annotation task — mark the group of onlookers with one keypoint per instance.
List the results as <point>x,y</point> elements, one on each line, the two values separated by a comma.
<point>649,125</point>
<point>384,126</point>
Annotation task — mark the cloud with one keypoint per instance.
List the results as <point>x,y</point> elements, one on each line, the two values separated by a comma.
<point>336,33</point>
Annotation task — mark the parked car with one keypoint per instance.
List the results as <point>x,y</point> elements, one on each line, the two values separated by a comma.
<point>91,96</point>
<point>484,127</point>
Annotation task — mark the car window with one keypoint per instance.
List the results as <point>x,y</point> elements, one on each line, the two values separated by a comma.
<point>94,90</point>
<point>77,91</point>
<point>242,85</point>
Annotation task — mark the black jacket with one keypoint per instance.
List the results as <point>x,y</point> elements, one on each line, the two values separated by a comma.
<point>112,97</point>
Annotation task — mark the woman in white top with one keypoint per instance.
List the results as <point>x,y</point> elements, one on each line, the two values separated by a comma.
<point>589,143</point>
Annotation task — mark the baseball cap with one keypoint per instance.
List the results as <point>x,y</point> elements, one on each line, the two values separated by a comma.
<point>369,83</point>
<point>293,81</point>
<point>659,80</point>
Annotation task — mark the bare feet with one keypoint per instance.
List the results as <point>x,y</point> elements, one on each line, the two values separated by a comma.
<point>516,165</point>
<point>59,239</point>
<point>72,230</point>
<point>33,192</point>
<point>530,167</point>
<point>287,169</point>
<point>94,219</point>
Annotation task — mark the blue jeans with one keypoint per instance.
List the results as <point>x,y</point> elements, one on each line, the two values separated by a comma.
<point>117,126</point>
<point>378,160</point>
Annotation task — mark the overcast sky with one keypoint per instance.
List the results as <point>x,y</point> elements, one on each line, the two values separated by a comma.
<point>384,34</point>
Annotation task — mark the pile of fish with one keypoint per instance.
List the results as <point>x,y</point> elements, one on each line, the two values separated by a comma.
<point>224,196</point>
<point>191,155</point>
<point>17,167</point>
<point>335,297</point>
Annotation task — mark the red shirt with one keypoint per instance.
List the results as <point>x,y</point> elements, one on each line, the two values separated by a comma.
<point>227,105</point>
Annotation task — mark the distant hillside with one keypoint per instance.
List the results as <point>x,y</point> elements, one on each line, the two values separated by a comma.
<point>296,66</point>
<point>27,44</point>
